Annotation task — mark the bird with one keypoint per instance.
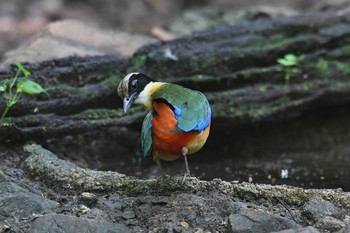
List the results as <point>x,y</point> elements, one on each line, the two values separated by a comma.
<point>177,122</point>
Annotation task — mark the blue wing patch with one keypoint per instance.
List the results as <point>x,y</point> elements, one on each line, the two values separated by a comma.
<point>205,122</point>
<point>193,117</point>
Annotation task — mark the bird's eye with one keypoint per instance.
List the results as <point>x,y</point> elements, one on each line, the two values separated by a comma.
<point>134,84</point>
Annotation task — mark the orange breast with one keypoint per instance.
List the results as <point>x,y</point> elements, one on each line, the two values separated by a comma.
<point>164,138</point>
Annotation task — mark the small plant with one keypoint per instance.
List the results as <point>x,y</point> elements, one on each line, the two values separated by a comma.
<point>322,65</point>
<point>289,63</point>
<point>12,89</point>
<point>342,67</point>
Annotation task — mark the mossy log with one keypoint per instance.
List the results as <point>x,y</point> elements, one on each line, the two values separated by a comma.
<point>74,84</point>
<point>62,175</point>
<point>235,66</point>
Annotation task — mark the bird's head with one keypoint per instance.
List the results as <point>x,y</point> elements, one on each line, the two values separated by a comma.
<point>131,87</point>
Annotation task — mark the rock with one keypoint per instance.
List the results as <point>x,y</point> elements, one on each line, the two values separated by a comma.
<point>5,228</point>
<point>3,177</point>
<point>347,225</point>
<point>88,199</point>
<point>128,214</point>
<point>97,214</point>
<point>18,203</point>
<point>80,210</point>
<point>198,20</point>
<point>258,221</point>
<point>329,224</point>
<point>65,223</point>
<point>73,38</point>
<point>308,229</point>
<point>200,204</point>
<point>317,208</point>
<point>339,6</point>
<point>345,229</point>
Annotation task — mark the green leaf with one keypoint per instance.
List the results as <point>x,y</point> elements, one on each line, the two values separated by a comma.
<point>322,64</point>
<point>24,70</point>
<point>29,87</point>
<point>295,70</point>
<point>6,124</point>
<point>285,62</point>
<point>5,85</point>
<point>263,87</point>
<point>291,58</point>
<point>342,67</point>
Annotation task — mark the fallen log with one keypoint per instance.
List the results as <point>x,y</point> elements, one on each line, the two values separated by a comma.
<point>226,50</point>
<point>235,66</point>
<point>74,84</point>
<point>59,174</point>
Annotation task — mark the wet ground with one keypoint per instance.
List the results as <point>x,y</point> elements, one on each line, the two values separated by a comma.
<point>312,151</point>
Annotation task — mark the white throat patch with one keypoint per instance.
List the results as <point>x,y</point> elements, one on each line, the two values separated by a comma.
<point>146,96</point>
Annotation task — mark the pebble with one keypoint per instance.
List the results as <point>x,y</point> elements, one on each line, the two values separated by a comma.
<point>89,199</point>
<point>128,214</point>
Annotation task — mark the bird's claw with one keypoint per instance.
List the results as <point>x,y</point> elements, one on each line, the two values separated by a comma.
<point>186,175</point>
<point>163,176</point>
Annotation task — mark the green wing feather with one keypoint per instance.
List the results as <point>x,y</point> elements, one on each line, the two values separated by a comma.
<point>146,134</point>
<point>191,108</point>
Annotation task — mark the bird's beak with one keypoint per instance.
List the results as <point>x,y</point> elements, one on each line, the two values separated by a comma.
<point>128,101</point>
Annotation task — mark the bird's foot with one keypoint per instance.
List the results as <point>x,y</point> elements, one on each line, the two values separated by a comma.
<point>186,175</point>
<point>163,176</point>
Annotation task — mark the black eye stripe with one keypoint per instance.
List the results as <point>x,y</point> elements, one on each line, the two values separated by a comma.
<point>134,84</point>
<point>137,83</point>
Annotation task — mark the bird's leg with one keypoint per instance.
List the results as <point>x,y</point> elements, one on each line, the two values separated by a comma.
<point>159,163</point>
<point>161,169</point>
<point>187,173</point>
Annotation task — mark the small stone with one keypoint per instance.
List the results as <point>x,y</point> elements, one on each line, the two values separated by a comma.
<point>3,177</point>
<point>184,225</point>
<point>318,208</point>
<point>329,224</point>
<point>159,201</point>
<point>19,202</point>
<point>198,230</point>
<point>346,229</point>
<point>88,199</point>
<point>258,221</point>
<point>308,229</point>
<point>5,228</point>
<point>66,223</point>
<point>81,209</point>
<point>128,214</point>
